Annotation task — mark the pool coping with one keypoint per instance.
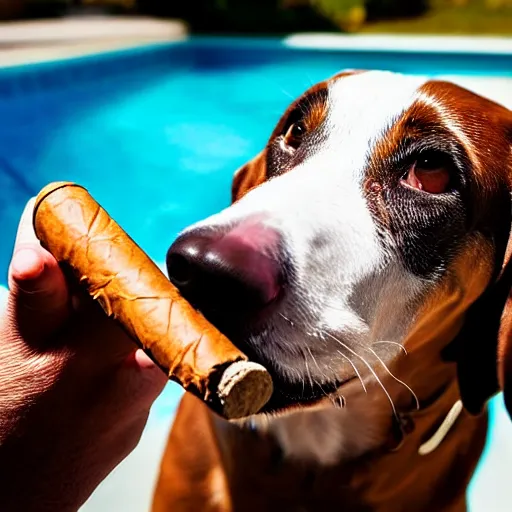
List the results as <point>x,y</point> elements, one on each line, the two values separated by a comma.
<point>101,54</point>
<point>37,41</point>
<point>400,43</point>
<point>500,46</point>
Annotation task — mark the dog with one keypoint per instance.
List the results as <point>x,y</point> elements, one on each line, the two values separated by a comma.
<point>365,262</point>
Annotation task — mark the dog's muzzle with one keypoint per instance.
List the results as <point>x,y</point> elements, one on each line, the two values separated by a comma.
<point>233,271</point>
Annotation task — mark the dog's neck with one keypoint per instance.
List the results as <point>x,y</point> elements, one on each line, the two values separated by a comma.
<point>361,453</point>
<point>378,416</point>
<point>377,429</point>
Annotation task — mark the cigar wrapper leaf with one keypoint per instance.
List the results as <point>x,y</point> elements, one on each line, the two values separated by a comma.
<point>133,291</point>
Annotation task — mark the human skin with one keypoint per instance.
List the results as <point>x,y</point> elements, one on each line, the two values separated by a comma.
<point>75,393</point>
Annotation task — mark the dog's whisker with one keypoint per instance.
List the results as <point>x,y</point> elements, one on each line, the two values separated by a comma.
<point>312,381</point>
<point>316,363</point>
<point>397,379</point>
<point>297,372</point>
<point>338,401</point>
<point>369,366</point>
<point>287,319</point>
<point>275,84</point>
<point>355,369</point>
<point>287,94</point>
<point>307,369</point>
<point>393,343</point>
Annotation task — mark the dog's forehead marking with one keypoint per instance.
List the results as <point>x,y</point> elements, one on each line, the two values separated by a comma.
<point>362,107</point>
<point>448,118</point>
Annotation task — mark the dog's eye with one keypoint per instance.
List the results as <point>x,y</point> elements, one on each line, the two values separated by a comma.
<point>294,135</point>
<point>429,173</point>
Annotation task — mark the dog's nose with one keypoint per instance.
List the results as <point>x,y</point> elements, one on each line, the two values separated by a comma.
<point>232,272</point>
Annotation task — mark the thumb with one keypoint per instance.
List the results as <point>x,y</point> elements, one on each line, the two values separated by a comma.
<point>38,302</point>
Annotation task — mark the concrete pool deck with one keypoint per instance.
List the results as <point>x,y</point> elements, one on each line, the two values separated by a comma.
<point>36,41</point>
<point>408,43</point>
<point>497,88</point>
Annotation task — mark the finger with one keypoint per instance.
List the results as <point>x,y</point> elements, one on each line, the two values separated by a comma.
<point>141,380</point>
<point>142,361</point>
<point>129,393</point>
<point>25,234</point>
<point>38,299</point>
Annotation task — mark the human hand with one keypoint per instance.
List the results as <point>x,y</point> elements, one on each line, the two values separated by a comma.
<point>75,393</point>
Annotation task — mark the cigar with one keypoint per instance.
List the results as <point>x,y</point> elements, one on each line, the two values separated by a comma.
<point>133,291</point>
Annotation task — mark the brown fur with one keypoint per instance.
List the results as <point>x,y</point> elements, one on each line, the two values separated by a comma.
<point>249,176</point>
<point>359,458</point>
<point>314,109</point>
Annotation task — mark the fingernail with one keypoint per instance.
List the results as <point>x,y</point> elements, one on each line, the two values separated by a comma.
<point>143,361</point>
<point>25,233</point>
<point>27,264</point>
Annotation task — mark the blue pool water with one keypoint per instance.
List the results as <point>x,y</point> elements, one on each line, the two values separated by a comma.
<point>156,133</point>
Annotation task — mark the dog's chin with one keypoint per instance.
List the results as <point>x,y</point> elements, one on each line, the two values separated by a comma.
<point>288,393</point>
<point>245,333</point>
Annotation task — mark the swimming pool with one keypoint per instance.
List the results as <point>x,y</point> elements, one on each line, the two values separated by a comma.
<point>156,133</point>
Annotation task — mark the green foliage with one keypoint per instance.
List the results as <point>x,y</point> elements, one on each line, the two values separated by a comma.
<point>285,16</point>
<point>332,7</point>
<point>482,17</point>
<point>341,10</point>
<point>386,9</point>
<point>347,15</point>
<point>240,16</point>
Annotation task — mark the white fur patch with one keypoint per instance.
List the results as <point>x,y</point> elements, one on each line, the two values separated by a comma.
<point>362,107</point>
<point>338,297</point>
<point>450,121</point>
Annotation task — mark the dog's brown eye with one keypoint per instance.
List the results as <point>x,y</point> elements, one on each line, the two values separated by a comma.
<point>294,135</point>
<point>430,173</point>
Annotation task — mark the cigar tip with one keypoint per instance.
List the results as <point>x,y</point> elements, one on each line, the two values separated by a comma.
<point>245,387</point>
<point>50,188</point>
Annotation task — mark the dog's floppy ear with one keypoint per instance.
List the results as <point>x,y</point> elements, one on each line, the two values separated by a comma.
<point>250,175</point>
<point>484,345</point>
<point>505,341</point>
<point>505,333</point>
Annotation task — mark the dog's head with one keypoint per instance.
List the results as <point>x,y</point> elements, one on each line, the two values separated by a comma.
<point>378,214</point>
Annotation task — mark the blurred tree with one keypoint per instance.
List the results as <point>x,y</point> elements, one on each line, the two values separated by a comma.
<point>242,16</point>
<point>498,4</point>
<point>125,5</point>
<point>387,9</point>
<point>281,15</point>
<point>348,15</point>
<point>11,9</point>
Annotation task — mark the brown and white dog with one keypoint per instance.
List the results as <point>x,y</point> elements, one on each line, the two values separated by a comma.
<point>364,263</point>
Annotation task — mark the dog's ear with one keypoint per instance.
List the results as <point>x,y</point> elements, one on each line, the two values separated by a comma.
<point>483,348</point>
<point>250,175</point>
<point>505,341</point>
<point>483,343</point>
